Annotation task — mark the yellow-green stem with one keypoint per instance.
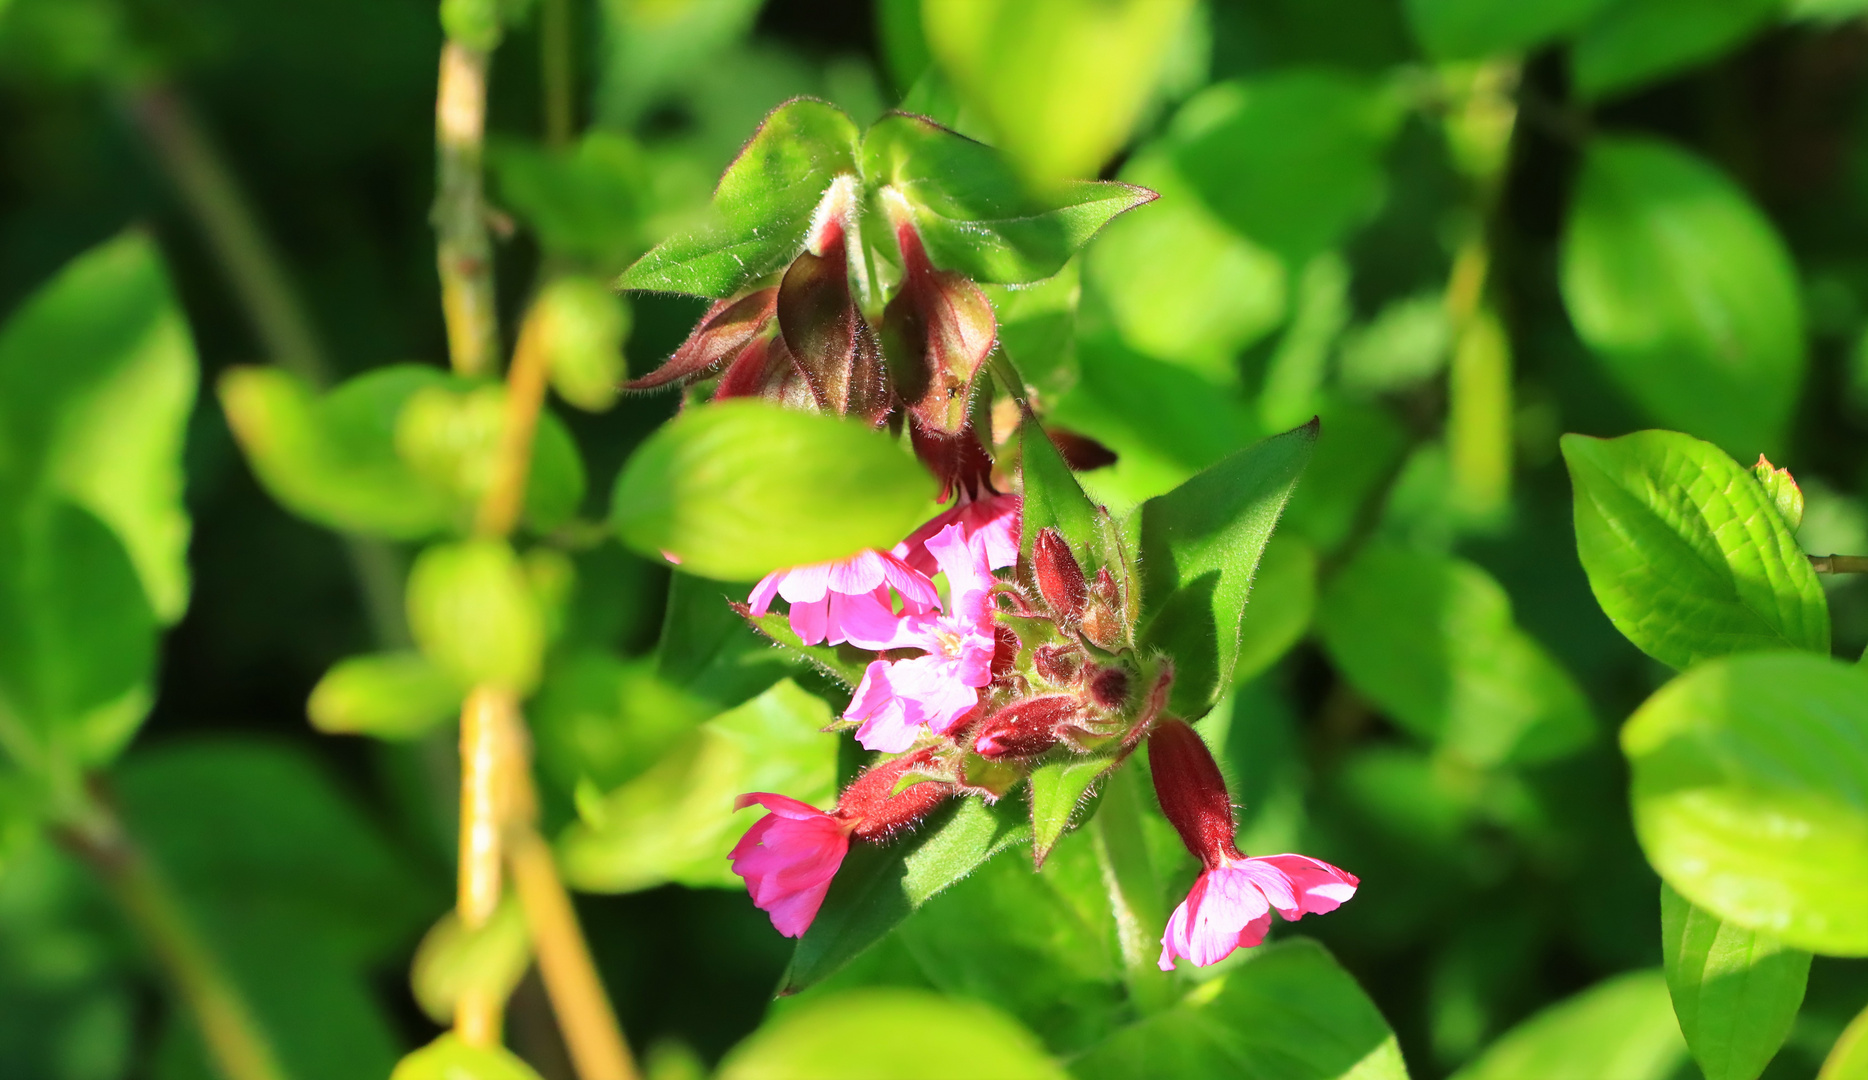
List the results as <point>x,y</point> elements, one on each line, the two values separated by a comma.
<point>464,252</point>
<point>557,56</point>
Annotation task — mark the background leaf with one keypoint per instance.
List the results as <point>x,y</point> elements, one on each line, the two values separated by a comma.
<point>1735,992</point>
<point>1685,292</point>
<point>1463,29</point>
<point>1621,1027</point>
<point>1685,553</point>
<point>1631,42</point>
<point>878,1034</point>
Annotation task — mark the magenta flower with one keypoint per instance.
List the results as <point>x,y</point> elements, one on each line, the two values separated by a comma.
<point>788,858</point>
<point>1230,905</point>
<point>935,690</point>
<point>847,599</point>
<point>995,517</point>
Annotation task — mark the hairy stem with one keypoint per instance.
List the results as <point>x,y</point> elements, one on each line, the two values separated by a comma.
<point>464,253</point>
<point>591,1032</point>
<point>233,1037</point>
<point>1134,889</point>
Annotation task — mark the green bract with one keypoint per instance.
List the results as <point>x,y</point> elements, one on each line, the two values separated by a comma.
<point>1748,789</point>
<point>741,488</point>
<point>1686,553</point>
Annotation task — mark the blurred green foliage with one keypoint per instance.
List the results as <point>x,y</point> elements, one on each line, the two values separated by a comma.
<point>1452,229</point>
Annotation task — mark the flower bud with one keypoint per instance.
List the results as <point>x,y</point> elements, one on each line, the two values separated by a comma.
<point>1025,728</point>
<point>878,810</point>
<point>1109,688</point>
<point>1057,664</point>
<point>958,461</point>
<point>1192,792</point>
<point>936,332</point>
<point>833,344</point>
<point>1004,651</point>
<point>1060,579</point>
<point>727,328</point>
<point>1102,618</point>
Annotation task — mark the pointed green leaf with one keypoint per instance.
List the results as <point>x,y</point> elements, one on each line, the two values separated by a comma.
<point>762,208</point>
<point>1060,792</point>
<point>737,489</point>
<point>1686,554</point>
<point>1735,991</point>
<point>1284,595</point>
<point>1749,774</point>
<point>1686,292</point>
<point>1052,497</point>
<point>475,615</point>
<point>1848,1058</point>
<point>1288,1011</point>
<point>975,214</point>
<point>1200,546</point>
<point>1621,1027</point>
<point>880,884</point>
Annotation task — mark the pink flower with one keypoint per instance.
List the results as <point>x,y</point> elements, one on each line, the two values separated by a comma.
<point>847,599</point>
<point>995,517</point>
<point>788,858</point>
<point>898,698</point>
<point>1230,905</point>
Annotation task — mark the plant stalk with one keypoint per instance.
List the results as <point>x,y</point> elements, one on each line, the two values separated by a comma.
<point>464,252</point>
<point>558,67</point>
<point>1134,889</point>
<point>1839,564</point>
<point>234,1039</point>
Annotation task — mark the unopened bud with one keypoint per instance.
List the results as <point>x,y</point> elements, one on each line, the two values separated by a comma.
<point>1004,651</point>
<point>1060,579</point>
<point>1057,664</point>
<point>1191,791</point>
<point>878,810</point>
<point>1025,728</point>
<point>727,328</point>
<point>1109,688</point>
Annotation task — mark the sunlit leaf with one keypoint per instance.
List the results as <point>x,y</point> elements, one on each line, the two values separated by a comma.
<point>1735,991</point>
<point>1621,1027</point>
<point>388,695</point>
<point>880,1034</point>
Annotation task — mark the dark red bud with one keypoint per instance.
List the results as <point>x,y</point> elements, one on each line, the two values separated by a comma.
<point>1025,728</point>
<point>759,365</point>
<point>959,462</point>
<point>1060,579</point>
<point>830,339</point>
<point>1105,586</point>
<point>1191,791</point>
<point>1057,664</point>
<point>727,328</point>
<point>878,810</point>
<point>1109,688</point>
<point>1004,650</point>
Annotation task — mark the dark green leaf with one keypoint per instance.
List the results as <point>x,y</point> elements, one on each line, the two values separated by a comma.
<point>975,214</point>
<point>707,649</point>
<point>880,884</point>
<point>881,1034</point>
<point>1632,42</point>
<point>1748,782</point>
<point>587,203</point>
<point>762,208</point>
<point>1288,1011</point>
<point>743,487</point>
<point>1686,554</point>
<point>1621,1027</point>
<point>1052,497</point>
<point>1477,29</point>
<point>605,720</point>
<point>1200,546</point>
<point>1685,291</point>
<point>1432,641</point>
<point>1736,992</point>
<point>1284,594</point>
<point>1848,1059</point>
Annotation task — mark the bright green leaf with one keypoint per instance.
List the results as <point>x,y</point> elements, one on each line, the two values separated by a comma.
<point>1288,1011</point>
<point>1200,546</point>
<point>881,1034</point>
<point>1284,594</point>
<point>452,960</point>
<point>1052,497</point>
<point>1621,1027</point>
<point>1475,29</point>
<point>1735,992</point>
<point>1059,790</point>
<point>972,211</point>
<point>744,487</point>
<point>449,434</point>
<point>1848,1059</point>
<point>447,1058</point>
<point>676,821</point>
<point>389,695</point>
<point>585,325</point>
<point>475,616</point>
<point>606,720</point>
<point>1686,554</point>
<point>1431,640</point>
<point>762,208</point>
<point>1631,42</point>
<point>879,885</point>
<point>1750,790</point>
<point>1686,293</point>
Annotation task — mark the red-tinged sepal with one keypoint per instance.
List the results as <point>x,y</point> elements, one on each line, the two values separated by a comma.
<point>831,342</point>
<point>1192,792</point>
<point>725,332</point>
<point>1026,728</point>
<point>957,460</point>
<point>1060,577</point>
<point>1103,620</point>
<point>936,332</point>
<point>877,809</point>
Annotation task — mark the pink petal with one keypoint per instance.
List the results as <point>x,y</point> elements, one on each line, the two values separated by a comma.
<point>917,592</point>
<point>1220,911</point>
<point>764,592</point>
<point>806,584</point>
<point>865,621</point>
<point>1319,887</point>
<point>810,619</point>
<point>860,573</point>
<point>782,805</point>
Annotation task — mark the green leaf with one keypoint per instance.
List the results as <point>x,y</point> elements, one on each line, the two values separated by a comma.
<point>1632,42</point>
<point>1431,640</point>
<point>1200,546</point>
<point>1621,1027</point>
<point>1284,595</point>
<point>475,615</point>
<point>1052,497</point>
<point>1735,992</point>
<point>449,435</point>
<point>974,213</point>
<point>452,960</point>
<point>676,821</point>
<point>447,1058</point>
<point>97,378</point>
<point>604,720</point>
<point>1287,1011</point>
<point>1292,161</point>
<point>1685,553</point>
<point>1060,82</point>
<point>881,884</point>
<point>585,325</point>
<point>1475,29</point>
<point>1848,1059</point>
<point>762,208</point>
<point>1686,293</point>
<point>744,487</point>
<point>389,695</point>
<point>881,1034</point>
<point>844,663</point>
<point>707,649</point>
<point>1749,776</point>
<point>587,203</point>
<point>1060,789</point>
